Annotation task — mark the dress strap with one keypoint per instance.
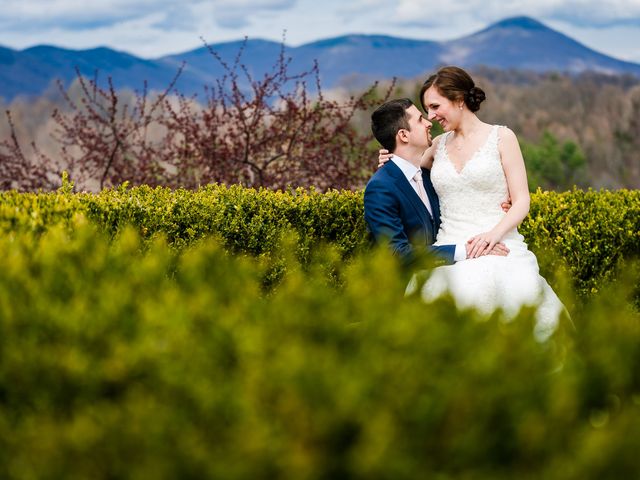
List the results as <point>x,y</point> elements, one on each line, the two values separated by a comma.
<point>493,135</point>
<point>443,141</point>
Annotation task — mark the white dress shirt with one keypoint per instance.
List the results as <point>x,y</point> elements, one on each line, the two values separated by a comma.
<point>409,170</point>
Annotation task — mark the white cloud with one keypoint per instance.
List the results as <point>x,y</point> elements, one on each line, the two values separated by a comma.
<point>144,27</point>
<point>69,14</point>
<point>576,12</point>
<point>34,14</point>
<point>151,28</point>
<point>622,41</point>
<point>239,13</point>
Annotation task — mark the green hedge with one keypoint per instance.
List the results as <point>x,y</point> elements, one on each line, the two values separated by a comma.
<point>590,232</point>
<point>118,361</point>
<point>587,232</point>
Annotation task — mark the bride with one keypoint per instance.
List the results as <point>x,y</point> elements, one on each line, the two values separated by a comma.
<point>474,168</point>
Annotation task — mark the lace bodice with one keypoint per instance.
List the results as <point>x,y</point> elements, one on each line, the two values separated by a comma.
<point>470,200</point>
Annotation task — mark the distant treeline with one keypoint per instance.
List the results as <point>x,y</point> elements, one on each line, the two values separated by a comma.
<point>573,129</point>
<point>600,113</point>
<point>579,130</point>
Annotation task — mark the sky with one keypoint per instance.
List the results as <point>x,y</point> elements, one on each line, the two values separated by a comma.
<point>153,28</point>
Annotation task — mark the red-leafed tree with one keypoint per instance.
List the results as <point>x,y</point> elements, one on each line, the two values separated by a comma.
<point>19,171</point>
<point>276,131</point>
<point>273,133</point>
<point>105,140</point>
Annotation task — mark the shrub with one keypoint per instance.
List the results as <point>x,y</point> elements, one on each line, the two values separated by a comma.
<point>587,233</point>
<point>592,232</point>
<point>125,360</point>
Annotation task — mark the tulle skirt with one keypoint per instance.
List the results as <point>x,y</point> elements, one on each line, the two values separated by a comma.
<point>494,282</point>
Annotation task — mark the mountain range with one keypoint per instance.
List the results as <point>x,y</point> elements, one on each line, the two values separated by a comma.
<point>519,43</point>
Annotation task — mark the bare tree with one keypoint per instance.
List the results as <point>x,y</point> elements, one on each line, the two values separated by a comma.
<point>275,131</point>
<point>17,170</point>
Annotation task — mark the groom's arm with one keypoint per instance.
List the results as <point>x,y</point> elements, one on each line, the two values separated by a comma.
<point>382,214</point>
<point>445,252</point>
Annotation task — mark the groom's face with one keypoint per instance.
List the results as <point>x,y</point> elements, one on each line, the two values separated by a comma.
<point>420,127</point>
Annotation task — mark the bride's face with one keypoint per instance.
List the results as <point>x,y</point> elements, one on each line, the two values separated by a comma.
<point>441,109</point>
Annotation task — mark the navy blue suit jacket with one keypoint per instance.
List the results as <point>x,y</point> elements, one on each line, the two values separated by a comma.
<point>394,213</point>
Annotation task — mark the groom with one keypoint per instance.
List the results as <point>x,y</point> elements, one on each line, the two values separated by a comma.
<point>400,204</point>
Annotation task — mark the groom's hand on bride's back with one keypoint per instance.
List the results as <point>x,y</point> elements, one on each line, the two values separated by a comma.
<point>506,205</point>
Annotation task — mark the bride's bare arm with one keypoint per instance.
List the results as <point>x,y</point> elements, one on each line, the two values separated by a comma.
<point>516,175</point>
<point>425,162</point>
<point>429,154</point>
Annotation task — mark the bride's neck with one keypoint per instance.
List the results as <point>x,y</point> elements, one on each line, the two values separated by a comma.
<point>468,126</point>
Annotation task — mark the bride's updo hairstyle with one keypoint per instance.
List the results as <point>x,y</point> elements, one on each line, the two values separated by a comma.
<point>455,84</point>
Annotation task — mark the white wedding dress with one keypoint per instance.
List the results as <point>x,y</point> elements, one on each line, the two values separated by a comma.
<point>470,204</point>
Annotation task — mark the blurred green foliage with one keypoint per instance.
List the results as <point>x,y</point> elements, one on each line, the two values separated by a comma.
<point>126,358</point>
<point>552,165</point>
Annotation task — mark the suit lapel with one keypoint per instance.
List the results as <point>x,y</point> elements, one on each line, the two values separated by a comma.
<point>433,197</point>
<point>407,190</point>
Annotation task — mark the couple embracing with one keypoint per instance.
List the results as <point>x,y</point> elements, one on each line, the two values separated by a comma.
<point>451,197</point>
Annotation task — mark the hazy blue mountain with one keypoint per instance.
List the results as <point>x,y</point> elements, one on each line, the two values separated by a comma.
<point>32,71</point>
<point>369,57</point>
<point>201,68</point>
<point>527,44</point>
<point>366,57</point>
<point>515,43</point>
<point>258,55</point>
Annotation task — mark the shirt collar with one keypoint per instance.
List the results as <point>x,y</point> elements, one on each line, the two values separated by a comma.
<point>408,169</point>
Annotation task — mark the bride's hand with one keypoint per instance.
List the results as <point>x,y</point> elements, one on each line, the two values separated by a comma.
<point>384,157</point>
<point>482,244</point>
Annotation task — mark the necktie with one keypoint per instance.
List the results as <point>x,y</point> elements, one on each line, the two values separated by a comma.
<point>422,193</point>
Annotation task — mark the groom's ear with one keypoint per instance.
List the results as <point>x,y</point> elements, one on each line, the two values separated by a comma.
<point>402,136</point>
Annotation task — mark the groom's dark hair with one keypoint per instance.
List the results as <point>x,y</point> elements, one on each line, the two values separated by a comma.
<point>388,119</point>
